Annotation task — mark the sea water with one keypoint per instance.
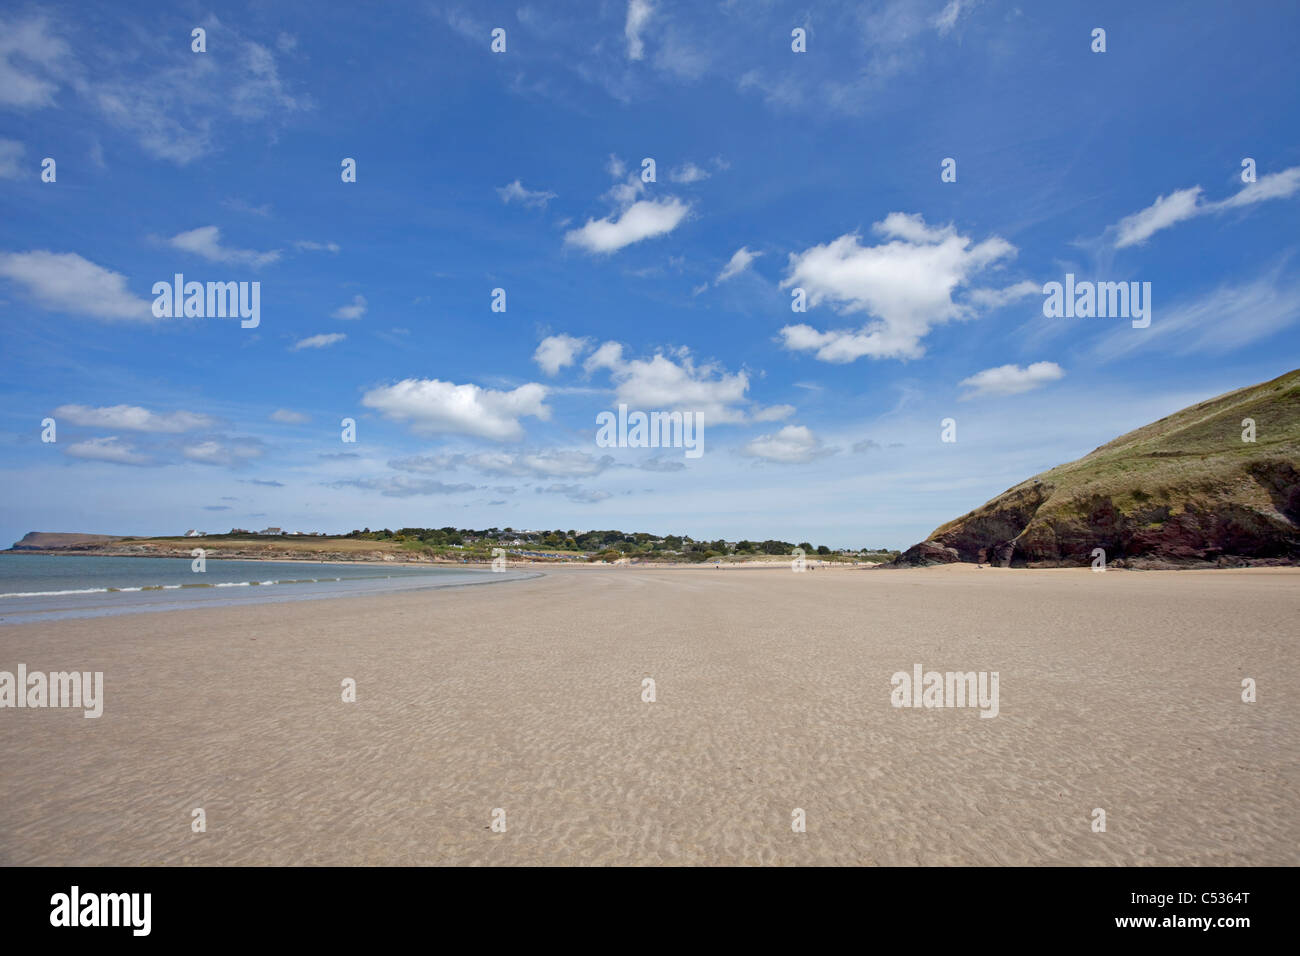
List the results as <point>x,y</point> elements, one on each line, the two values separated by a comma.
<point>37,587</point>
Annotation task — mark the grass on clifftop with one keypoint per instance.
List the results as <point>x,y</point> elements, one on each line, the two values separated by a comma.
<point>1194,455</point>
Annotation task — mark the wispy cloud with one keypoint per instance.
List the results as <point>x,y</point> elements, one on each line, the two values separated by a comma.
<point>32,61</point>
<point>1184,204</point>
<point>1011,379</point>
<point>739,262</point>
<point>109,449</point>
<point>324,340</point>
<point>402,486</point>
<point>353,310</point>
<point>688,173</point>
<point>638,14</point>
<point>549,463</point>
<point>11,155</point>
<point>287,416</point>
<point>1231,316</point>
<point>65,282</point>
<point>575,493</point>
<point>206,243</point>
<point>515,192</point>
<point>133,418</point>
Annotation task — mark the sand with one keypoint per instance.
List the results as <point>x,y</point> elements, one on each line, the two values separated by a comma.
<point>1119,691</point>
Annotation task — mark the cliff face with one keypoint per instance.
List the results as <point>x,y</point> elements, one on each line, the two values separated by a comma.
<point>1184,491</point>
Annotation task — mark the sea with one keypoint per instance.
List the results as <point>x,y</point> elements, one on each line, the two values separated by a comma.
<point>37,587</point>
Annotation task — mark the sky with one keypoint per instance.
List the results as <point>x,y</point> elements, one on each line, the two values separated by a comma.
<point>913,178</point>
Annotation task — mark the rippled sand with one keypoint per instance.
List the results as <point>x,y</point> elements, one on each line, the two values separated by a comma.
<point>1119,690</point>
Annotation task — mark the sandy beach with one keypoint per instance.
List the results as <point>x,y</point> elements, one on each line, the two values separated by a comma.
<point>1119,691</point>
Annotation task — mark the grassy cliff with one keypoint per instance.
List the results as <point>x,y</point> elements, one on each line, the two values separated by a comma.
<point>1186,490</point>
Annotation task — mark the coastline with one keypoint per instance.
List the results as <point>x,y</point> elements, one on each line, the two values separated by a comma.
<point>79,592</point>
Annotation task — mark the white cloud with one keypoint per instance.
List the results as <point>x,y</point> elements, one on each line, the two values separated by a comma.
<point>286,416</point>
<point>1161,214</point>
<point>574,493</point>
<point>436,407</point>
<point>1281,185</point>
<point>623,194</point>
<point>677,383</point>
<point>11,155</point>
<point>989,299</point>
<point>134,418</point>
<point>206,242</point>
<point>688,173</point>
<point>1011,379</point>
<point>318,341</point>
<point>558,351</point>
<point>947,17</point>
<point>308,245</point>
<point>176,103</point>
<point>641,220</point>
<point>739,262</point>
<point>1184,204</point>
<point>403,486</point>
<point>355,310</point>
<point>793,444</point>
<point>225,452</point>
<point>773,413</point>
<point>107,449</point>
<point>65,282</point>
<point>32,60</point>
<point>515,192</point>
<point>549,463</point>
<point>680,56</point>
<point>609,355</point>
<point>242,205</point>
<point>905,284</point>
<point>661,383</point>
<point>638,13</point>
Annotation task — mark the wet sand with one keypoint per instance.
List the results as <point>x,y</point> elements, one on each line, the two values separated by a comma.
<point>1119,691</point>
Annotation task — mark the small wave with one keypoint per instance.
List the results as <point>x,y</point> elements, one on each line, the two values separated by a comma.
<point>20,594</point>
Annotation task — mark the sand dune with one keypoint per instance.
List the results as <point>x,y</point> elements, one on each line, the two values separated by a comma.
<point>1118,690</point>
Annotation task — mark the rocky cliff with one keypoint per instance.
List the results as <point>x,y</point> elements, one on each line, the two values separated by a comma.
<point>1189,490</point>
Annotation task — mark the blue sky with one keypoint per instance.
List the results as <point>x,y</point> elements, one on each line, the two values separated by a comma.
<point>521,170</point>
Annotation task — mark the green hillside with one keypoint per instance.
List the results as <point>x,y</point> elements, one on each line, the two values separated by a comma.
<point>1186,490</point>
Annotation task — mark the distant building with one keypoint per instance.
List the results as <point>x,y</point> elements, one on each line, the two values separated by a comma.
<point>240,531</point>
<point>270,531</point>
<point>194,534</point>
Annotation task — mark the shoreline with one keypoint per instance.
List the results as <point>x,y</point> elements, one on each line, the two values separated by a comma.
<point>381,557</point>
<point>111,599</point>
